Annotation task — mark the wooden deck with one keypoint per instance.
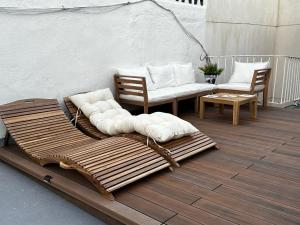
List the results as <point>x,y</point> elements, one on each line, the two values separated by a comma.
<point>253,179</point>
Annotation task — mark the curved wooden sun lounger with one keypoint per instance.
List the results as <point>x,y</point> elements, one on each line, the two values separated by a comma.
<point>180,149</point>
<point>41,129</point>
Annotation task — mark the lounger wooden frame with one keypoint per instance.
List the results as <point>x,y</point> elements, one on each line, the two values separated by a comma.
<point>136,86</point>
<point>41,129</point>
<point>260,77</point>
<point>179,149</point>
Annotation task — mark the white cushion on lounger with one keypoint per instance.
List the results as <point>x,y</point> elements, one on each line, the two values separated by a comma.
<point>91,97</point>
<point>138,72</point>
<point>239,86</point>
<point>243,72</point>
<point>172,92</point>
<point>96,101</point>
<point>113,121</point>
<point>184,74</point>
<point>162,127</point>
<point>162,76</point>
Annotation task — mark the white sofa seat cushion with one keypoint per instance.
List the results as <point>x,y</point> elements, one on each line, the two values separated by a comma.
<point>189,89</point>
<point>164,94</point>
<point>162,127</point>
<point>138,72</point>
<point>113,121</point>
<point>154,96</point>
<point>239,86</point>
<point>162,76</point>
<point>184,74</point>
<point>243,72</point>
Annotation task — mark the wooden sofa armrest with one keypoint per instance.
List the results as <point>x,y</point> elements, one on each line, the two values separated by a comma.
<point>261,77</point>
<point>131,85</point>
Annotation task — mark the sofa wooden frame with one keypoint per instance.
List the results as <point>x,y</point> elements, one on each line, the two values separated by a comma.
<point>136,86</point>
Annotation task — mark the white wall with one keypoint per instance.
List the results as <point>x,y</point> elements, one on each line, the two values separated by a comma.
<point>241,26</point>
<point>288,31</point>
<point>59,54</point>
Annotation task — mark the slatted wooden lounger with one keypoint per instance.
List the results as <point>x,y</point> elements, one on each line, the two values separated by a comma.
<point>180,149</point>
<point>41,129</point>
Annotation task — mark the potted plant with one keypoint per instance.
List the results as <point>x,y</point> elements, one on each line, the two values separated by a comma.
<point>211,71</point>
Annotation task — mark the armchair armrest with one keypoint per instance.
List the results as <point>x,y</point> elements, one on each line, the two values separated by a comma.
<point>131,85</point>
<point>261,77</point>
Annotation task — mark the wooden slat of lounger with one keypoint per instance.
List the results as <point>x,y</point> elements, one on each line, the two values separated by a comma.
<point>193,150</point>
<point>7,115</point>
<point>109,154</point>
<point>116,184</point>
<point>191,143</point>
<point>21,105</point>
<point>34,116</point>
<point>35,122</point>
<point>112,177</point>
<point>106,147</point>
<point>113,165</point>
<point>127,165</point>
<point>95,165</point>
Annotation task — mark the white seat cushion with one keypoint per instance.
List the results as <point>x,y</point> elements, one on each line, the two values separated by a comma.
<point>162,76</point>
<point>184,74</point>
<point>172,92</point>
<point>189,89</point>
<point>138,72</point>
<point>94,102</point>
<point>243,72</point>
<point>162,127</point>
<point>113,121</point>
<point>109,118</point>
<point>239,86</point>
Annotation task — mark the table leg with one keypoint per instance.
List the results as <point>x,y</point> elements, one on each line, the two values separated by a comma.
<point>236,114</point>
<point>221,108</point>
<point>201,109</point>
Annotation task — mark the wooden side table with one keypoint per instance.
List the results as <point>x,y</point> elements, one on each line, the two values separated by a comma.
<point>230,99</point>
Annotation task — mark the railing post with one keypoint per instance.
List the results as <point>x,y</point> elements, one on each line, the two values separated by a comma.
<point>275,78</point>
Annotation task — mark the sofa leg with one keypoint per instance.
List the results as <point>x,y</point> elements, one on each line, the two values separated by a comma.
<point>175,108</point>
<point>146,109</point>
<point>197,104</point>
<point>265,98</point>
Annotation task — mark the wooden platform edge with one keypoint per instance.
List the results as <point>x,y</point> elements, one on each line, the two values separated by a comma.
<point>84,195</point>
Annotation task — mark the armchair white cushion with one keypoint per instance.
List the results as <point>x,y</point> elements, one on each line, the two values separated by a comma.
<point>239,87</point>
<point>243,72</point>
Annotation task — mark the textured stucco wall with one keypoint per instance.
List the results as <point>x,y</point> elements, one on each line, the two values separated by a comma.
<point>241,26</point>
<point>288,31</point>
<point>58,54</point>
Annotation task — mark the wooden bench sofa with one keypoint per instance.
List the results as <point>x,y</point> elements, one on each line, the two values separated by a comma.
<point>132,90</point>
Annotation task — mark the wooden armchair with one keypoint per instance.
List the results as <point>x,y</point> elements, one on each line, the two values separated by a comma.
<point>260,83</point>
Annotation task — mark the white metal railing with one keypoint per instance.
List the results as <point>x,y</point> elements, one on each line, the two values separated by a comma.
<point>285,77</point>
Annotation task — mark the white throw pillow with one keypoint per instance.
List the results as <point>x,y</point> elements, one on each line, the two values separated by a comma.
<point>138,72</point>
<point>162,76</point>
<point>184,74</point>
<point>243,72</point>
